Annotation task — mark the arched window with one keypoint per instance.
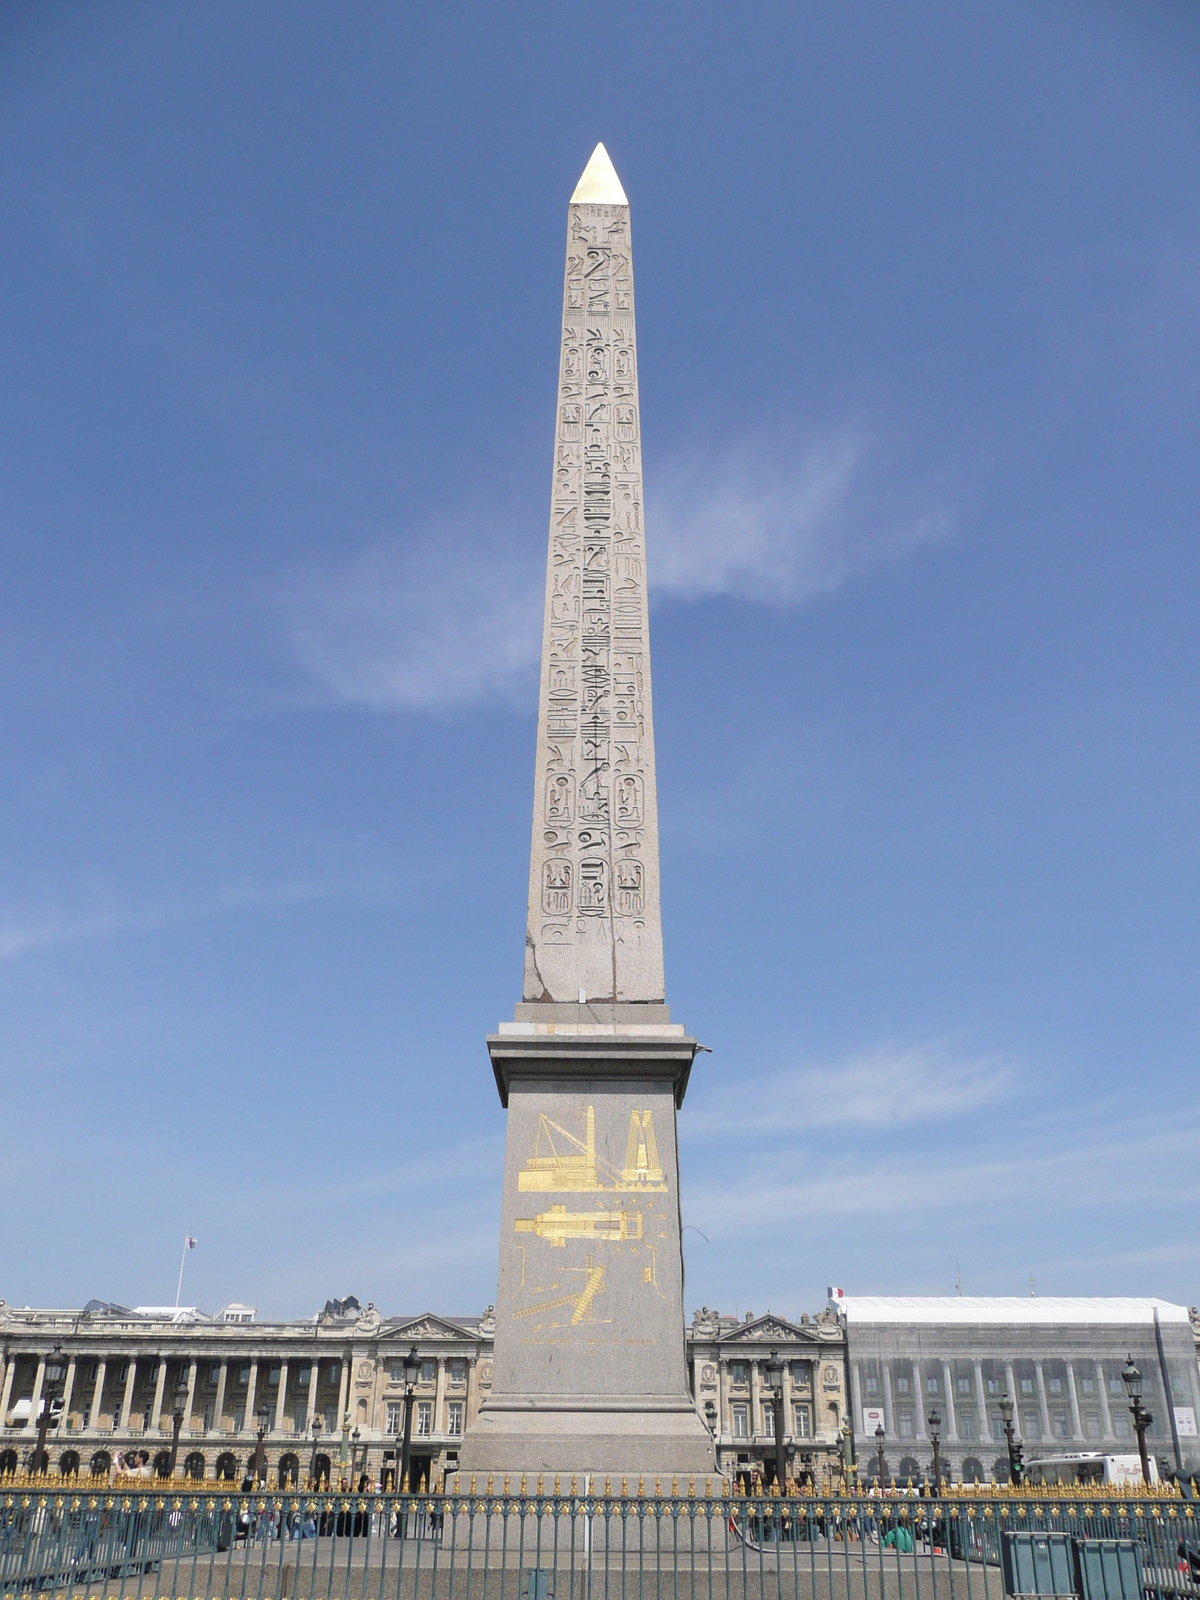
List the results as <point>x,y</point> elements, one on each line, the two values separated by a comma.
<point>910,1468</point>
<point>8,1463</point>
<point>972,1471</point>
<point>68,1464</point>
<point>162,1464</point>
<point>193,1467</point>
<point>227,1466</point>
<point>289,1471</point>
<point>101,1464</point>
<point>1000,1472</point>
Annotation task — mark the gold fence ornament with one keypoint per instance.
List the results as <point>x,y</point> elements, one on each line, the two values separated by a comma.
<point>506,1483</point>
<point>607,1487</point>
<point>675,1486</point>
<point>556,1485</point>
<point>523,1476</point>
<point>574,1491</point>
<point>539,1487</point>
<point>691,1488</point>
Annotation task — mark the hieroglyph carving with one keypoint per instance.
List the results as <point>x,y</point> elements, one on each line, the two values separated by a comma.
<point>594,920</point>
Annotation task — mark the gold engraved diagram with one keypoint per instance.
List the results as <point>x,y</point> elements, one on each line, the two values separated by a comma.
<point>560,1161</point>
<point>582,1302</point>
<point>558,1225</point>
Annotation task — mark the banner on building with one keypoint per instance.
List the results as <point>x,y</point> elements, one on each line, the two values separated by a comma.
<point>872,1419</point>
<point>1185,1422</point>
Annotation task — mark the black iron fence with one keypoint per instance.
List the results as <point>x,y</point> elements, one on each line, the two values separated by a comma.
<point>105,1542</point>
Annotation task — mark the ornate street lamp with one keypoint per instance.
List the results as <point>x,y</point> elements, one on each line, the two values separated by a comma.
<point>1142,1419</point>
<point>52,1376</point>
<point>181,1391</point>
<point>412,1371</point>
<point>260,1463</point>
<point>312,1465</point>
<point>934,1419</point>
<point>1015,1453</point>
<point>774,1371</point>
<point>879,1438</point>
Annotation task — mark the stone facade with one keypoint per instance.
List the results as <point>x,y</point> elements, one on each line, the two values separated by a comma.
<point>123,1369</point>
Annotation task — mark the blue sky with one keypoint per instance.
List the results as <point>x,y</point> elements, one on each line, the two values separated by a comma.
<point>919,327</point>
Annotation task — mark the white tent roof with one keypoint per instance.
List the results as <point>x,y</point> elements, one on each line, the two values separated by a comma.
<point>1010,1309</point>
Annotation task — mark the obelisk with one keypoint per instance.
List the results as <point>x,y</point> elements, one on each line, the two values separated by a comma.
<point>589,1370</point>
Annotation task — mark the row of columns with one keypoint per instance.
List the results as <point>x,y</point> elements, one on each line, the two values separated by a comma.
<point>950,1409</point>
<point>121,1418</point>
<point>725,1399</point>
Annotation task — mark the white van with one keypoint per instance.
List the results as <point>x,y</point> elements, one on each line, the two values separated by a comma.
<point>1089,1466</point>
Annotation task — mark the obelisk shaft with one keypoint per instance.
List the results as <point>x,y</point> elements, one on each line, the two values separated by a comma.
<point>594,921</point>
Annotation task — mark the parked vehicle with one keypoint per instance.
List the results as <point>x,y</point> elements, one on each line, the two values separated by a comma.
<point>1089,1466</point>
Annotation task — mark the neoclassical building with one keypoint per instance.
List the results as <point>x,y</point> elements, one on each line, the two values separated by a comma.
<point>328,1391</point>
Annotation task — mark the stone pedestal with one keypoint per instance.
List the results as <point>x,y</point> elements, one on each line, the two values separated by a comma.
<point>589,1371</point>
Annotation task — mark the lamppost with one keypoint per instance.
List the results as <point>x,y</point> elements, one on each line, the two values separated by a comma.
<point>312,1465</point>
<point>354,1438</point>
<point>934,1419</point>
<point>1141,1417</point>
<point>52,1376</point>
<point>879,1438</point>
<point>412,1371</point>
<point>774,1371</point>
<point>181,1389</point>
<point>344,1452</point>
<point>264,1422</point>
<point>1015,1453</point>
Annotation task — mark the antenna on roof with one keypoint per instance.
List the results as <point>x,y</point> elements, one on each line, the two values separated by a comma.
<point>957,1274</point>
<point>1032,1286</point>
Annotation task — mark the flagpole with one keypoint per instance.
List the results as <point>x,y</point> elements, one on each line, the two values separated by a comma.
<point>179,1285</point>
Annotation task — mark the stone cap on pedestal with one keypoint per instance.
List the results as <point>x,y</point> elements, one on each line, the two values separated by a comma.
<point>604,1039</point>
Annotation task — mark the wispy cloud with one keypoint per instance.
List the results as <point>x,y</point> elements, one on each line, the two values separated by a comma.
<point>426,624</point>
<point>449,615</point>
<point>879,1088</point>
<point>783,515</point>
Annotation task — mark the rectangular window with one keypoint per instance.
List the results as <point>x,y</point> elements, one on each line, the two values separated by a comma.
<point>92,1371</point>
<point>802,1428</point>
<point>300,1419</point>
<point>424,1418</point>
<point>273,1376</point>
<point>966,1424</point>
<point>997,1426</point>
<point>993,1386</point>
<point>872,1385</point>
<point>1031,1426</point>
<point>1087,1385</point>
<point>801,1374</point>
<point>737,1372</point>
<point>1120,1425</point>
<point>210,1411</point>
<point>964,1386</point>
<point>1091,1424</point>
<point>428,1371</point>
<point>304,1375</point>
<point>741,1423</point>
<point>931,1386</point>
<point>239,1418</point>
<point>1055,1385</point>
<point>124,1372</point>
<point>244,1373</point>
<point>769,1421</point>
<point>905,1419</point>
<point>214,1374</point>
<point>396,1372</point>
<point>395,1416</point>
<point>454,1416</point>
<point>458,1372</point>
<point>1026,1385</point>
<point>1114,1386</point>
<point>901,1384</point>
<point>331,1420</point>
<point>1060,1426</point>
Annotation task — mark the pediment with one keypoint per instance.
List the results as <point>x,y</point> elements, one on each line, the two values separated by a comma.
<point>428,1326</point>
<point>771,1330</point>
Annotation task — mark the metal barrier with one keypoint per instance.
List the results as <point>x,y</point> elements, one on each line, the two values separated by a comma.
<point>100,1542</point>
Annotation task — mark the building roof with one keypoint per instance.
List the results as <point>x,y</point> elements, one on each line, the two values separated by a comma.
<point>1009,1309</point>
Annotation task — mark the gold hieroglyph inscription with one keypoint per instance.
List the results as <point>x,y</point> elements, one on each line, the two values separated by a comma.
<point>558,1225</point>
<point>563,1162</point>
<point>582,1302</point>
